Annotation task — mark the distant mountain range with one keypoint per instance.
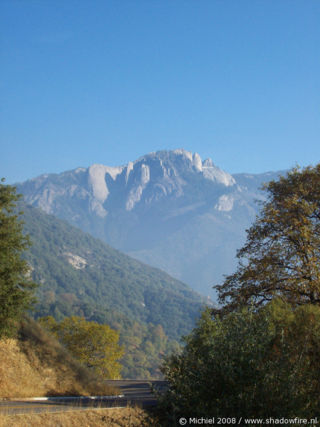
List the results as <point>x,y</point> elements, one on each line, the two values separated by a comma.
<point>168,209</point>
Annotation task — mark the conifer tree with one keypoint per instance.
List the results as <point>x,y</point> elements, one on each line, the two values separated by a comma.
<point>16,289</point>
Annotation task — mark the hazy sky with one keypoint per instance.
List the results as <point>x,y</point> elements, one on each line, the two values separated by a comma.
<point>90,81</point>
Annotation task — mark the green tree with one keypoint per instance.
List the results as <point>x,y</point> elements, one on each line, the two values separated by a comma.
<point>94,345</point>
<point>16,289</point>
<point>248,364</point>
<point>259,355</point>
<point>282,254</point>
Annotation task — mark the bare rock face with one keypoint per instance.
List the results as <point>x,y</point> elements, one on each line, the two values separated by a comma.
<point>170,209</point>
<point>76,261</point>
<point>136,192</point>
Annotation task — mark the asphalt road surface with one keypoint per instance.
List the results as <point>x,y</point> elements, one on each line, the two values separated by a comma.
<point>136,392</point>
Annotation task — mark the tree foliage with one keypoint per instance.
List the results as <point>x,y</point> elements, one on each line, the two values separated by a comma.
<point>282,254</point>
<point>16,290</point>
<point>258,356</point>
<point>249,364</point>
<point>94,345</point>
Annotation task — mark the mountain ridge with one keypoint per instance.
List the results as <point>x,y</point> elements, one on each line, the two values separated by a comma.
<point>168,209</point>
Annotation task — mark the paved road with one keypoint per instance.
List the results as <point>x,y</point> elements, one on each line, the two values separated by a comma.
<point>143,392</point>
<point>136,392</point>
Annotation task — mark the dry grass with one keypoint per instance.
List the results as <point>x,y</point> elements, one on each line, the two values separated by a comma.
<point>37,365</point>
<point>127,417</point>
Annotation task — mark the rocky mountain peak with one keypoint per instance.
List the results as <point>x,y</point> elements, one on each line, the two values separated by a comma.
<point>168,208</point>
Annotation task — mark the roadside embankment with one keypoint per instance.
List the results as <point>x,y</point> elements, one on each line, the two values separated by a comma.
<point>35,364</point>
<point>126,417</point>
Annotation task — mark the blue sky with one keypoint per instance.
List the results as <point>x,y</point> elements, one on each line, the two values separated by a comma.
<point>107,81</point>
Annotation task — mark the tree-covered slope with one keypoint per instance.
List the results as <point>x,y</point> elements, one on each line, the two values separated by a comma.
<point>80,274</point>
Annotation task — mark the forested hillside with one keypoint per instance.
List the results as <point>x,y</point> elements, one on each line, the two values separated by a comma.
<point>80,275</point>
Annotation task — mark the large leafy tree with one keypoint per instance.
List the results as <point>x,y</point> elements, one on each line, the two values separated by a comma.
<point>94,345</point>
<point>16,289</point>
<point>282,254</point>
<point>248,364</point>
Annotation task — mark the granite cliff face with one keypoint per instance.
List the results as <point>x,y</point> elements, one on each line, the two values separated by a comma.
<point>169,209</point>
